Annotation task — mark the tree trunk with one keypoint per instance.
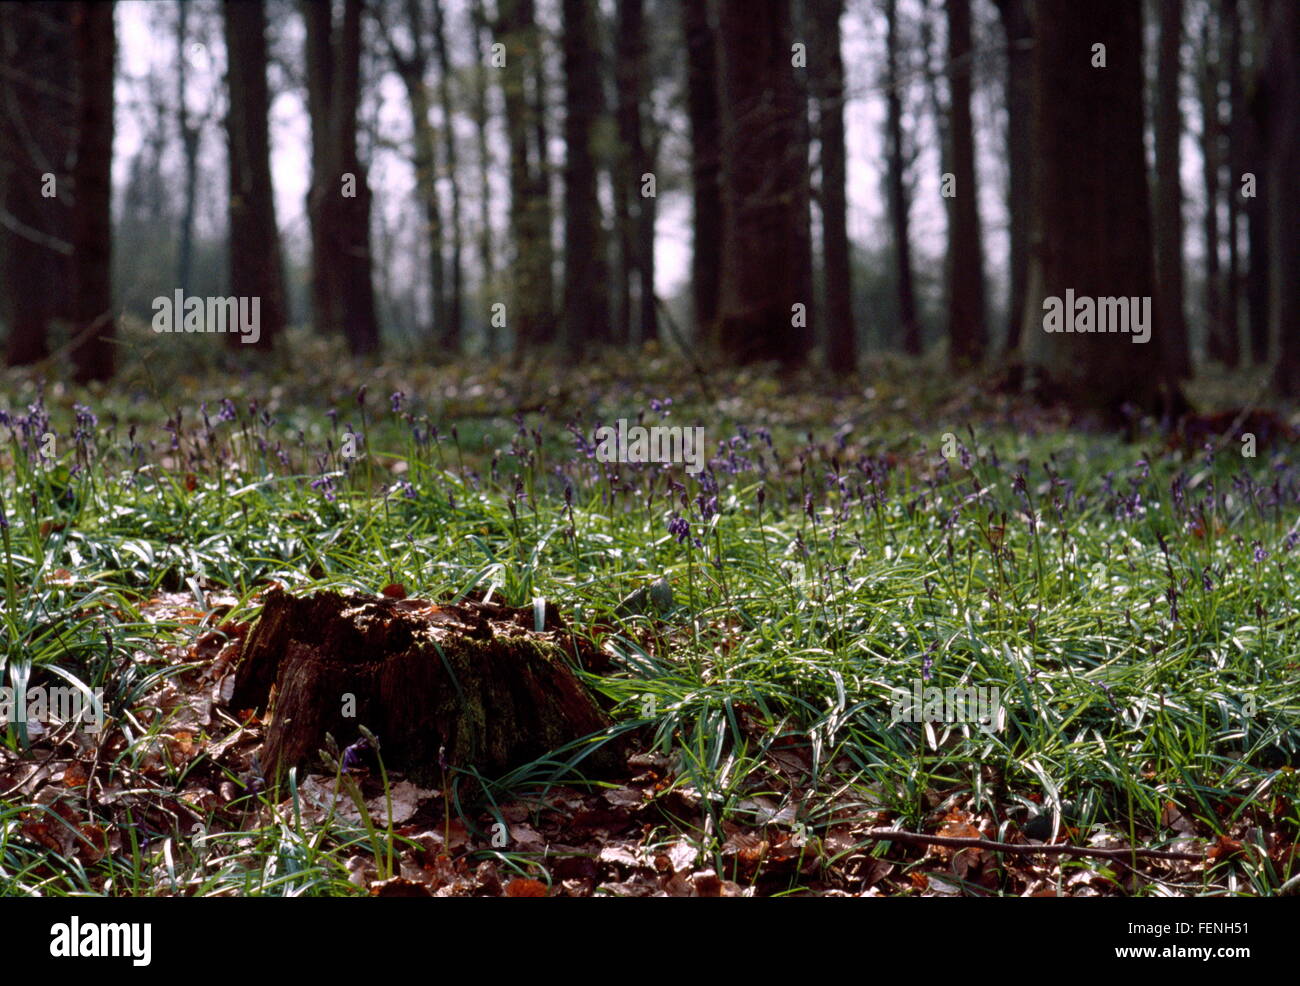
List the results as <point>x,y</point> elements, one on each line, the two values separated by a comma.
<point>472,684</point>
<point>899,204</point>
<point>586,303</point>
<point>1092,228</point>
<point>92,228</point>
<point>1019,98</point>
<point>482,39</point>
<point>530,308</point>
<point>452,331</point>
<point>1231,19</point>
<point>1221,345</point>
<point>37,131</point>
<point>1280,107</point>
<point>320,72</point>
<point>841,332</point>
<point>255,266</point>
<point>706,188</point>
<point>966,324</point>
<point>764,181</point>
<point>189,134</point>
<point>1172,341</point>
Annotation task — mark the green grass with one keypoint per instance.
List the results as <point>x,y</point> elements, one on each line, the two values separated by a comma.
<point>1144,641</point>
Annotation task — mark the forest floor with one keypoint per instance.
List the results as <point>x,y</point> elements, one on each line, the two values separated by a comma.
<point>1126,614</point>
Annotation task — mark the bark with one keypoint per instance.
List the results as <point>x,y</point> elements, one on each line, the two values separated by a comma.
<point>966,323</point>
<point>189,133</point>
<point>451,336</point>
<point>1092,223</point>
<point>92,229</point>
<point>342,285</point>
<point>487,267</point>
<point>1172,319</point>
<point>1017,27</point>
<point>764,181</point>
<point>841,332</point>
<point>37,131</point>
<point>1280,112</point>
<point>636,233</point>
<point>256,269</point>
<point>586,302</point>
<point>706,188</point>
<point>1221,344</point>
<point>899,200</point>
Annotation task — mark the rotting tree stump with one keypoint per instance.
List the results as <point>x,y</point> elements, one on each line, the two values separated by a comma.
<point>473,677</point>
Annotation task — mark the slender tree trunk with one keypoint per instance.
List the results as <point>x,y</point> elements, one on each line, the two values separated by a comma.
<point>324,183</point>
<point>530,313</point>
<point>189,153</point>
<point>586,303</point>
<point>1170,315</point>
<point>539,198</point>
<point>92,228</point>
<point>352,227</point>
<point>1019,98</point>
<point>255,266</point>
<point>899,204</point>
<point>966,322</point>
<point>482,39</point>
<point>636,233</point>
<point>841,332</point>
<point>1221,344</point>
<point>451,336</point>
<point>1231,19</point>
<point>706,187</point>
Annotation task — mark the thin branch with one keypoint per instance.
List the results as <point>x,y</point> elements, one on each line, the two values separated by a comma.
<point>1051,849</point>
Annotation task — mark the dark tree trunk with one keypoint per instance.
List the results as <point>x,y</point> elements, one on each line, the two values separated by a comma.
<point>453,328</point>
<point>342,285</point>
<point>37,130</point>
<point>320,72</point>
<point>586,302</point>
<point>530,308</point>
<point>841,332</point>
<point>1231,18</point>
<point>482,38</point>
<point>637,211</point>
<point>1092,228</point>
<point>764,181</point>
<point>92,228</point>
<point>189,133</point>
<point>1019,98</point>
<point>1280,114</point>
<point>1172,342</point>
<point>899,201</point>
<point>255,266</point>
<point>966,323</point>
<point>706,187</point>
<point>1222,345</point>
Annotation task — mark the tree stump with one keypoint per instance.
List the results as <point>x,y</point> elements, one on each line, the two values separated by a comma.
<point>473,677</point>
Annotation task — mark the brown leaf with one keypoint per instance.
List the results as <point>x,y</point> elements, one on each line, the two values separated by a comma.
<point>524,887</point>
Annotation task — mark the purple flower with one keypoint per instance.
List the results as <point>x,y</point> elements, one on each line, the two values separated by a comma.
<point>396,399</point>
<point>680,528</point>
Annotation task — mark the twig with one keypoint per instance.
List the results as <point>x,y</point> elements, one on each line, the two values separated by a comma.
<point>1052,849</point>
